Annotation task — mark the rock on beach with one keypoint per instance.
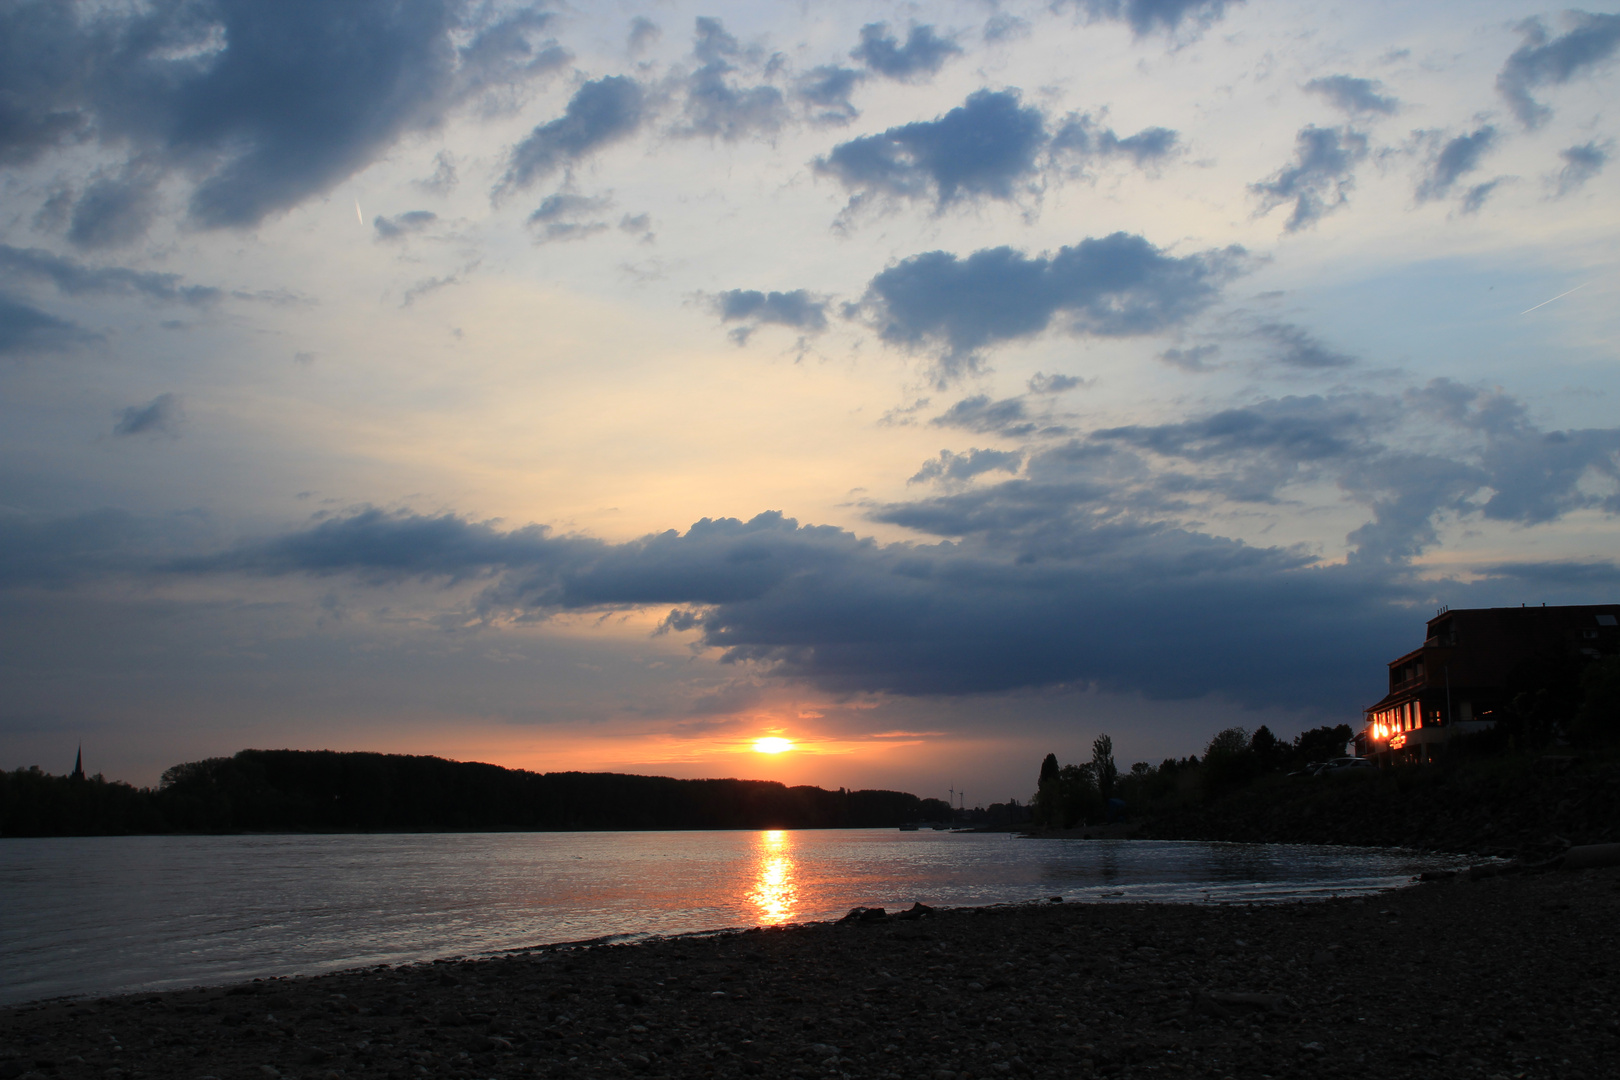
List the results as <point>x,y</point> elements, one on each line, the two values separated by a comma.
<point>1506,976</point>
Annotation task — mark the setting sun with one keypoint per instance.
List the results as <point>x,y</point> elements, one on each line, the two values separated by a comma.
<point>772,745</point>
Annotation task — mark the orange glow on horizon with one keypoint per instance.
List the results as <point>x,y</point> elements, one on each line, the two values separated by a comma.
<point>772,745</point>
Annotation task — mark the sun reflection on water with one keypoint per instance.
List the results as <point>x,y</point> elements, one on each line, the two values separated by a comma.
<point>775,895</point>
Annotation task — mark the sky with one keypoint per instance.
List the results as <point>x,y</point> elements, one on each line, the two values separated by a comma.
<point>931,385</point>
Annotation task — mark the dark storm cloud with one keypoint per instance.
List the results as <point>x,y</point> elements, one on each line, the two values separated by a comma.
<point>25,329</point>
<point>984,147</point>
<point>719,106</point>
<point>402,225</point>
<point>259,106</point>
<point>826,90</point>
<point>1455,158</point>
<point>75,279</point>
<point>1581,163</point>
<point>923,53</point>
<point>1354,95</point>
<point>1543,61</point>
<point>601,112</point>
<point>951,467</point>
<point>797,309</point>
<point>1320,178</point>
<point>1146,16</point>
<point>380,546</point>
<point>819,604</point>
<point>160,416</point>
<point>1115,286</point>
<point>1080,570</point>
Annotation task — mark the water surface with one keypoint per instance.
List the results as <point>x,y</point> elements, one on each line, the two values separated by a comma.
<point>95,915</point>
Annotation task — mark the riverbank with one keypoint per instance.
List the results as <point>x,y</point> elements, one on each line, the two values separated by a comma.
<point>1503,976</point>
<point>1510,807</point>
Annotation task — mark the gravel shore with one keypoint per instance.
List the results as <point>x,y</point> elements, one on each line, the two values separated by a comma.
<point>1505,977</point>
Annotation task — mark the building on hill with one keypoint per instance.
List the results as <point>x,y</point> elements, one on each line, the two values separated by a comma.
<point>1472,665</point>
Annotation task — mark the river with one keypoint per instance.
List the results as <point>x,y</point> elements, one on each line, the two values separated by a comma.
<point>97,915</point>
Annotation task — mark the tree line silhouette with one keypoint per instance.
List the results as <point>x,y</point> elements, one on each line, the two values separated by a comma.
<point>1097,791</point>
<point>330,791</point>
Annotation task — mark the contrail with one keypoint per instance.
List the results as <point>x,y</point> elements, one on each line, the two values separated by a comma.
<point>1560,296</point>
<point>362,219</point>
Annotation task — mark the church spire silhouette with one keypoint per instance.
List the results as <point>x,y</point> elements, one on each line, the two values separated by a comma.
<point>78,765</point>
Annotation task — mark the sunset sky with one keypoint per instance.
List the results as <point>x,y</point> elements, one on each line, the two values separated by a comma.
<point>930,385</point>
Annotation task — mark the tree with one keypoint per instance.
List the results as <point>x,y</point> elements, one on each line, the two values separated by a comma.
<point>1049,769</point>
<point>1598,718</point>
<point>1228,762</point>
<point>1267,748</point>
<point>1102,765</point>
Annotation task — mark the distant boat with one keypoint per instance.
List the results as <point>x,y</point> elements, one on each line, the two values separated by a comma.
<point>910,826</point>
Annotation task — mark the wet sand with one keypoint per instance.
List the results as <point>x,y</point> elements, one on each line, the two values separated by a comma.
<point>1496,977</point>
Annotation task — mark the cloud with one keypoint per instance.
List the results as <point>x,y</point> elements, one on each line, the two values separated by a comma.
<point>1581,163</point>
<point>75,279</point>
<point>114,211</point>
<point>797,309</point>
<point>1085,567</point>
<point>1041,383</point>
<point>258,107</point>
<point>1457,157</point>
<point>1297,347</point>
<point>1584,576</point>
<point>601,112</point>
<point>402,225</point>
<point>1080,138</point>
<point>643,33</point>
<point>820,605</point>
<point>1320,178</point>
<point>160,416</point>
<point>1475,196</point>
<point>952,468</point>
<point>1591,41</point>
<point>1353,95</point>
<point>1007,417</point>
<point>1291,429</point>
<point>444,179</point>
<point>983,147</point>
<point>1146,16</point>
<point>826,91</point>
<point>638,225</point>
<point>716,105</point>
<point>1004,27</point>
<point>1115,286</point>
<point>1197,358</point>
<point>25,330</point>
<point>923,53</point>
<point>565,216</point>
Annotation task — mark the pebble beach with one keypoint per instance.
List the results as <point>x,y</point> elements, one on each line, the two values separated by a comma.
<point>1499,976</point>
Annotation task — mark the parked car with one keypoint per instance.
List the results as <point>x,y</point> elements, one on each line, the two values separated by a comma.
<point>1344,764</point>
